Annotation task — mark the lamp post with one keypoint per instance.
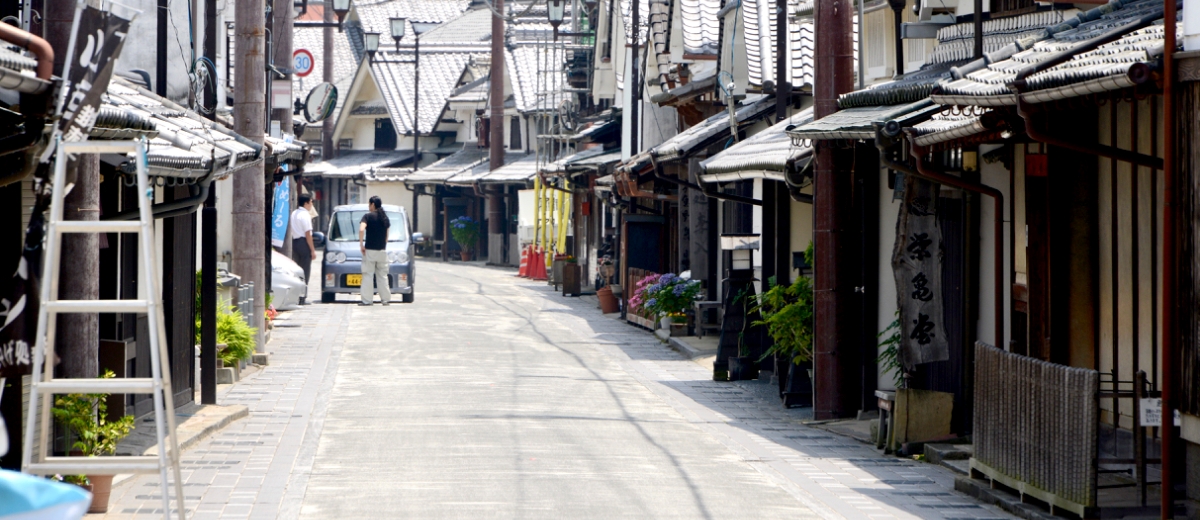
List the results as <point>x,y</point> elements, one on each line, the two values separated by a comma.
<point>340,8</point>
<point>555,11</point>
<point>371,44</point>
<point>419,28</point>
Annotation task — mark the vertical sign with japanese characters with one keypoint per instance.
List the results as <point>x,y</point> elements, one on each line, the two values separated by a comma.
<point>917,265</point>
<point>93,52</point>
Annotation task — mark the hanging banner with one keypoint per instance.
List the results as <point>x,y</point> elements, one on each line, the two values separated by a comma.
<point>279,216</point>
<point>91,54</point>
<point>917,265</point>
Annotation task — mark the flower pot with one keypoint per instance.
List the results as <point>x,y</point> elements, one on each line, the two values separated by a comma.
<point>101,488</point>
<point>608,302</point>
<point>465,256</point>
<point>742,369</point>
<point>798,389</point>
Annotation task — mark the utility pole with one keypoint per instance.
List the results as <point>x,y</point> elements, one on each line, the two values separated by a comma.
<point>78,341</point>
<point>281,47</point>
<point>327,151</point>
<point>635,92</point>
<point>208,241</point>
<point>496,222</point>
<point>835,344</point>
<point>249,112</point>
<point>496,83</point>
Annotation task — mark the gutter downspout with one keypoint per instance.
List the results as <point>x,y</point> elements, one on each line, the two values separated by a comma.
<point>34,44</point>
<point>173,208</point>
<point>1139,73</point>
<point>1169,260</point>
<point>929,173</point>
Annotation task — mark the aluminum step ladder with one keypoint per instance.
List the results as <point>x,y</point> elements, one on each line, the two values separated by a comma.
<point>45,386</point>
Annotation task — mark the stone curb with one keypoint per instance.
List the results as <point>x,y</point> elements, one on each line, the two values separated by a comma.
<point>188,437</point>
<point>687,350</point>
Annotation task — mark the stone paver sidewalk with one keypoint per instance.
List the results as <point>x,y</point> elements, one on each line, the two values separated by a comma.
<point>257,467</point>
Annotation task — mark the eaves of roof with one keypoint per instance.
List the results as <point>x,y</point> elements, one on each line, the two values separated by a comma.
<point>858,122</point>
<point>1116,65</point>
<point>766,154</point>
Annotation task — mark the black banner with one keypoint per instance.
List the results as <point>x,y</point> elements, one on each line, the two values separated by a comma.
<point>98,39</point>
<point>917,266</point>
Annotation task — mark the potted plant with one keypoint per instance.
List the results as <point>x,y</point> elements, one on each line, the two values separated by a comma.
<point>744,367</point>
<point>788,312</point>
<point>668,298</point>
<point>85,416</point>
<point>465,231</point>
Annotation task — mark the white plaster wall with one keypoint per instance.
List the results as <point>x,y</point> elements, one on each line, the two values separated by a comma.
<point>801,229</point>
<point>889,212</point>
<point>996,176</point>
<point>141,52</point>
<point>1148,276</point>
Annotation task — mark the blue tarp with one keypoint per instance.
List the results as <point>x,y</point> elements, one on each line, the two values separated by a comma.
<point>28,497</point>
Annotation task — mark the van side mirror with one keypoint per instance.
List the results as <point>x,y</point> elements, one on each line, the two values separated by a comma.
<point>318,239</point>
<point>418,238</point>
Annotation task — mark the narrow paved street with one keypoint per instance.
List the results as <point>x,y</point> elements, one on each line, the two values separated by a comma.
<point>492,396</point>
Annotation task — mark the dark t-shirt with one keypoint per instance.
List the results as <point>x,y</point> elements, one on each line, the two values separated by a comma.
<point>377,226</point>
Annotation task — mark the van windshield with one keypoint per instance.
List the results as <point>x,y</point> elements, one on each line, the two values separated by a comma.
<point>345,226</point>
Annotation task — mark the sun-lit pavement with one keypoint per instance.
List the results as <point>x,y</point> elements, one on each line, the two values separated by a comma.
<point>494,397</point>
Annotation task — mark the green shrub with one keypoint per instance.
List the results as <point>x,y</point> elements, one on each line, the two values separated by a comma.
<point>237,336</point>
<point>789,313</point>
<point>232,330</point>
<point>86,417</point>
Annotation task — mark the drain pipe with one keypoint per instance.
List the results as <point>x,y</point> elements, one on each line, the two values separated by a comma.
<point>928,172</point>
<point>1169,261</point>
<point>1138,74</point>
<point>170,209</point>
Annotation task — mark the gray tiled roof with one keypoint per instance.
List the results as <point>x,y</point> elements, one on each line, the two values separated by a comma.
<point>688,141</point>
<point>590,159</point>
<point>800,35</point>
<point>702,134</point>
<point>945,126</point>
<point>12,58</point>
<point>700,25</point>
<point>182,144</point>
<point>439,172</point>
<point>770,151</point>
<point>538,75</point>
<point>377,16</point>
<point>1099,70</point>
<point>857,123</point>
<point>957,42</point>
<point>440,70</point>
<point>912,87</point>
<point>349,164</point>
<point>472,26</point>
<point>518,168</point>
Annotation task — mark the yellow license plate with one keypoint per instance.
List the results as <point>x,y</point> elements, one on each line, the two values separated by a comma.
<point>354,280</point>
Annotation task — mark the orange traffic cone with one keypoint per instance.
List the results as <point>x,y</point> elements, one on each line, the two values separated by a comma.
<point>523,270</point>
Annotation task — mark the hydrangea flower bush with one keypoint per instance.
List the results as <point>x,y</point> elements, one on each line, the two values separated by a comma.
<point>670,295</point>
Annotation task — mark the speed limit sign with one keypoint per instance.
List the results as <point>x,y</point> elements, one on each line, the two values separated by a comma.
<point>302,61</point>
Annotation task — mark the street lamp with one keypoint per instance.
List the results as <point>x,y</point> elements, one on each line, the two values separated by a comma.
<point>398,31</point>
<point>555,11</point>
<point>340,8</point>
<point>371,43</point>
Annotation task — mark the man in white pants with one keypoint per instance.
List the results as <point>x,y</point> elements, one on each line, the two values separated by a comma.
<point>372,241</point>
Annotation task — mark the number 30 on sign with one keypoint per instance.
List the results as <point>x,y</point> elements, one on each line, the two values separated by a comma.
<point>303,62</point>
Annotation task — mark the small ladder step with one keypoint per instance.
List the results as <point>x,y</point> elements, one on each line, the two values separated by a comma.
<point>98,226</point>
<point>98,306</point>
<point>94,465</point>
<point>127,385</point>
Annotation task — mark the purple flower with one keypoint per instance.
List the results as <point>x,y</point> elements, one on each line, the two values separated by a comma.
<point>652,302</point>
<point>679,289</point>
